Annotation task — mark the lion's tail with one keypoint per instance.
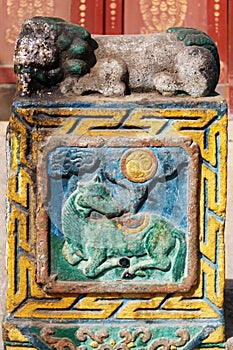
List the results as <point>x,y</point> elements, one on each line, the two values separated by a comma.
<point>179,264</point>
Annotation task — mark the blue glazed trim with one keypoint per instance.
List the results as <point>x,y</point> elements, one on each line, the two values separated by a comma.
<point>219,106</point>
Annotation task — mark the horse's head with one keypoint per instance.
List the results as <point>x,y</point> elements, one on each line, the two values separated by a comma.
<point>95,195</point>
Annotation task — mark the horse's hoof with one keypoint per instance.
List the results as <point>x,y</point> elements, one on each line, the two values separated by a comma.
<point>124,262</point>
<point>141,273</point>
<point>128,276</point>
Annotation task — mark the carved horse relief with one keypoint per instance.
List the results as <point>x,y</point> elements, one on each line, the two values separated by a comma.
<point>113,239</point>
<point>124,212</point>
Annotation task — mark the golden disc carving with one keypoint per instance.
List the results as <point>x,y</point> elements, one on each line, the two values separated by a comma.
<point>139,165</point>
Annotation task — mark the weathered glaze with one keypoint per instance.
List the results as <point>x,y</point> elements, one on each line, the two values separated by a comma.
<point>116,212</point>
<point>121,228</point>
<point>57,151</point>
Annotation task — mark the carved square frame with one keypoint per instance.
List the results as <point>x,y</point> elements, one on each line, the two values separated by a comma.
<point>52,284</point>
<point>202,120</point>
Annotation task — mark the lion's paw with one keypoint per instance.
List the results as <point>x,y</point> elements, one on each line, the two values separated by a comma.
<point>166,83</point>
<point>106,77</point>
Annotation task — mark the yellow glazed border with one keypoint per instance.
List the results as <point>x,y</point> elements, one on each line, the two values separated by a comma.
<point>26,299</point>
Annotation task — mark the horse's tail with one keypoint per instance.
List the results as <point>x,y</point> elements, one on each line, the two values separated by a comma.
<point>179,264</point>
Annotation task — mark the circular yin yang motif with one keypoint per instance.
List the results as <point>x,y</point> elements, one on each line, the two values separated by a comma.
<point>138,165</point>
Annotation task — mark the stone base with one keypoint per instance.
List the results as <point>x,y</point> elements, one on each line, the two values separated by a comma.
<point>116,211</point>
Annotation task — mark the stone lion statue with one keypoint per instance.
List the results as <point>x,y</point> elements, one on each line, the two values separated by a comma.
<point>51,52</point>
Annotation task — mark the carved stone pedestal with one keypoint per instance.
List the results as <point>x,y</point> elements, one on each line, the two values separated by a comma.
<point>116,210</point>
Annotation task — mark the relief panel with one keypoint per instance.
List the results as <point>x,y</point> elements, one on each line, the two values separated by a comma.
<point>126,172</point>
<point>120,217</point>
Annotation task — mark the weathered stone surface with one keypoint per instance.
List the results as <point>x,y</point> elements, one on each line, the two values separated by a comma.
<point>229,344</point>
<point>50,51</point>
<point>106,77</point>
<point>162,62</point>
<point>116,205</point>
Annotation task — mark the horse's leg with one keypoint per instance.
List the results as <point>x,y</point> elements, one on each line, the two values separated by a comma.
<point>159,263</point>
<point>158,246</point>
<point>111,263</point>
<point>70,254</point>
<point>99,262</point>
<point>96,258</point>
